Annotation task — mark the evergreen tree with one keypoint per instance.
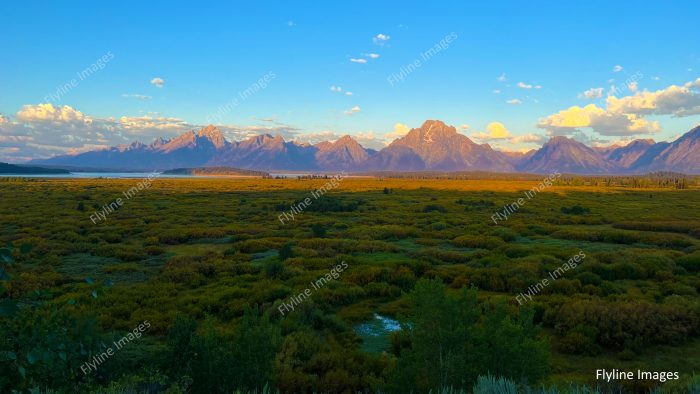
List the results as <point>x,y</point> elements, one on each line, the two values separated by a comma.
<point>453,340</point>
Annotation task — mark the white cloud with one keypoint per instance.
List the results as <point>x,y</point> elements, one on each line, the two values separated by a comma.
<point>137,96</point>
<point>502,78</point>
<point>592,93</point>
<point>315,138</point>
<point>498,130</point>
<point>352,111</point>
<point>523,85</point>
<point>514,102</point>
<point>158,82</point>
<point>604,122</point>
<point>618,68</point>
<point>154,123</point>
<point>44,130</point>
<point>237,132</point>
<point>527,139</point>
<point>400,130</point>
<point>624,116</point>
<point>361,61</point>
<point>338,89</point>
<point>381,39</point>
<point>51,113</point>
<point>372,55</point>
<point>693,84</point>
<point>673,100</point>
<point>16,138</point>
<point>369,140</point>
<point>496,91</point>
<point>633,86</point>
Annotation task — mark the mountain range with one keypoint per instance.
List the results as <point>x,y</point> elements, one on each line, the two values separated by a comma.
<point>434,146</point>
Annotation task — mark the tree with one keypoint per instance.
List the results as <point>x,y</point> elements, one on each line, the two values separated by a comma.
<point>256,343</point>
<point>286,251</point>
<point>221,363</point>
<point>453,340</point>
<point>274,269</point>
<point>318,230</point>
<point>180,345</point>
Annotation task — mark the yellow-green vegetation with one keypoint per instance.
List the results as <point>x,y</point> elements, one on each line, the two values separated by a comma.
<point>208,263</point>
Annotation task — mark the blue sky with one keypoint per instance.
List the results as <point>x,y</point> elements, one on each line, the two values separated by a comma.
<point>206,53</point>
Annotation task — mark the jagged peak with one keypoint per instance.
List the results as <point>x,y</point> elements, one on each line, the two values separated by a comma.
<point>560,138</point>
<point>214,135</point>
<point>323,144</point>
<point>346,139</point>
<point>262,139</point>
<point>693,133</point>
<point>131,146</point>
<point>435,127</point>
<point>275,137</point>
<point>210,130</point>
<point>640,141</point>
<point>433,123</point>
<point>188,135</point>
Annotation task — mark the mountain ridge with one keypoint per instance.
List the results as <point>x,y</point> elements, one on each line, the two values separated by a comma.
<point>434,146</point>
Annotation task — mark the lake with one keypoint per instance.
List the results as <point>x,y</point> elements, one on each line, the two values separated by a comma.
<point>130,175</point>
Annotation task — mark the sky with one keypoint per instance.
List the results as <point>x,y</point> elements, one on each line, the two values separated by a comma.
<point>78,76</point>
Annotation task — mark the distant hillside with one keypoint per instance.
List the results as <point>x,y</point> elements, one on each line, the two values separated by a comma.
<point>567,155</point>
<point>6,168</point>
<point>215,171</point>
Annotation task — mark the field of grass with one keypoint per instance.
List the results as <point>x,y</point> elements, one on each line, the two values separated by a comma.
<point>209,250</point>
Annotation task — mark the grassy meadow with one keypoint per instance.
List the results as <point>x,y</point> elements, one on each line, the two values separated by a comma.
<point>207,263</point>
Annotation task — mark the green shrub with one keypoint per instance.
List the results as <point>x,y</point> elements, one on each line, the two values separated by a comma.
<point>478,241</point>
<point>494,385</point>
<point>318,230</point>
<point>434,208</point>
<point>274,269</point>
<point>286,251</point>
<point>580,340</point>
<point>690,262</point>
<point>575,210</point>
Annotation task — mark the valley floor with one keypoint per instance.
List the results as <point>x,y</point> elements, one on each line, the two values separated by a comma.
<point>221,258</point>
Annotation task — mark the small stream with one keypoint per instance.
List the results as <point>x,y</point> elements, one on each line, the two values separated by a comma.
<point>375,333</point>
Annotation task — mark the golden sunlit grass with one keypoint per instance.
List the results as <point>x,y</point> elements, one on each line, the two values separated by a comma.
<point>349,184</point>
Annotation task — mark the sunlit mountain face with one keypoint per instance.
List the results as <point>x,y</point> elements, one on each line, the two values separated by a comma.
<point>434,146</point>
